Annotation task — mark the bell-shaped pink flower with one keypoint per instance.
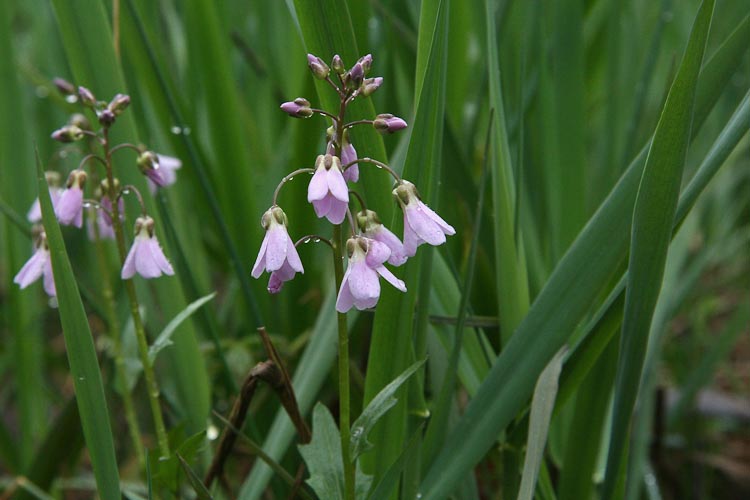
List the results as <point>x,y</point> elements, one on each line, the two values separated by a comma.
<point>327,190</point>
<point>360,286</point>
<point>277,254</point>
<point>164,174</point>
<point>37,266</point>
<point>421,224</point>
<point>69,207</point>
<point>103,220</point>
<point>348,155</point>
<point>370,224</point>
<point>146,256</point>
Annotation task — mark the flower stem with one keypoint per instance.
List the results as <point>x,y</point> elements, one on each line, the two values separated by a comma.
<point>140,333</point>
<point>344,417</point>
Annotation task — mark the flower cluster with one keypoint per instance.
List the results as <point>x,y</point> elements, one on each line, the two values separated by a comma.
<point>107,202</point>
<point>371,244</point>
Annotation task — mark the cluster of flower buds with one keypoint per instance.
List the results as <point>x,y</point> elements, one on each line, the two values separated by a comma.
<point>108,208</point>
<point>371,244</point>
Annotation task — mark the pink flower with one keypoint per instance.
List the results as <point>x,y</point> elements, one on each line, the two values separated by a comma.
<point>348,155</point>
<point>146,256</point>
<point>164,173</point>
<point>327,190</point>
<point>421,224</point>
<point>277,254</point>
<point>35,212</point>
<point>361,287</point>
<point>38,265</point>
<point>103,220</point>
<point>69,207</point>
<point>370,224</point>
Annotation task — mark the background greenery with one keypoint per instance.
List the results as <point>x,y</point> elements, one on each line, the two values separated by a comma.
<point>530,132</point>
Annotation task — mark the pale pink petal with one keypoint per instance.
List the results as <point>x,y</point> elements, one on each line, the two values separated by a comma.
<point>411,239</point>
<point>363,283</point>
<point>377,253</point>
<point>446,228</point>
<point>423,225</point>
<point>260,262</point>
<point>145,264</point>
<point>351,174</point>
<point>384,235</point>
<point>322,206</point>
<point>275,283</point>
<point>277,246</point>
<point>337,185</point>
<point>318,187</point>
<point>345,300</point>
<point>69,208</point>
<point>366,302</point>
<point>35,212</point>
<point>157,255</point>
<point>32,269</point>
<point>128,268</point>
<point>49,279</point>
<point>391,278</point>
<point>337,213</point>
<point>348,155</point>
<point>292,257</point>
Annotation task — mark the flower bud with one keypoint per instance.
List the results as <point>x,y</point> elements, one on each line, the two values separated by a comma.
<point>68,133</point>
<point>355,76</point>
<point>405,192</point>
<point>64,86</point>
<point>106,117</point>
<point>76,178</point>
<point>298,108</point>
<point>387,123</point>
<point>118,104</point>
<point>86,96</point>
<point>366,63</point>
<point>319,69</point>
<point>367,220</point>
<point>338,65</point>
<point>52,178</point>
<point>370,85</point>
<point>148,163</point>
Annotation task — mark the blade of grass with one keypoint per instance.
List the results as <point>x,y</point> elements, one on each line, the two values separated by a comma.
<point>84,367</point>
<point>653,219</point>
<point>577,280</point>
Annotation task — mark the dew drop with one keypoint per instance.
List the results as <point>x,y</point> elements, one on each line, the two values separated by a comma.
<point>126,191</point>
<point>175,130</point>
<point>87,204</point>
<point>378,166</point>
<point>306,240</point>
<point>71,98</point>
<point>212,432</point>
<point>316,240</point>
<point>290,178</point>
<point>81,379</point>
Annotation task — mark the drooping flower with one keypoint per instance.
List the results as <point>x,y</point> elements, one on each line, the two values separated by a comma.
<point>371,227</point>
<point>277,254</point>
<point>421,224</point>
<point>38,265</point>
<point>327,190</point>
<point>103,220</point>
<point>146,256</point>
<point>69,207</point>
<point>164,174</point>
<point>148,163</point>
<point>360,286</point>
<point>53,180</point>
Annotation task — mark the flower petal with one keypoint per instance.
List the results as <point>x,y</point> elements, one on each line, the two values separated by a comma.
<point>69,208</point>
<point>260,261</point>
<point>446,228</point>
<point>411,239</point>
<point>337,185</point>
<point>322,206</point>
<point>128,268</point>
<point>427,229</point>
<point>363,282</point>
<point>391,278</point>
<point>384,235</point>
<point>337,213</point>
<point>32,269</point>
<point>49,279</point>
<point>348,155</point>
<point>318,187</point>
<point>145,265</point>
<point>292,257</point>
<point>377,253</point>
<point>277,246</point>
<point>345,300</point>
<point>157,255</point>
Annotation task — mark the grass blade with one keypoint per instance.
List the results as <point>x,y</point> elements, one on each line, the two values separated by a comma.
<point>84,367</point>
<point>653,219</point>
<point>163,340</point>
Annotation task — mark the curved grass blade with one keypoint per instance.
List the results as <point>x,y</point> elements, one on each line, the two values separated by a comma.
<point>653,219</point>
<point>578,279</point>
<point>163,340</point>
<point>84,367</point>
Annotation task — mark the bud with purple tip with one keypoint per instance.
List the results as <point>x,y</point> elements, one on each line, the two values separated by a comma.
<point>366,62</point>
<point>318,68</point>
<point>387,123</point>
<point>86,96</point>
<point>355,77</point>
<point>118,103</point>
<point>298,108</point>
<point>68,133</point>
<point>64,86</point>
<point>370,85</point>
<point>338,65</point>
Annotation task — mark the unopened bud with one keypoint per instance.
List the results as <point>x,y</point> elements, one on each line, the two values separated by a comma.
<point>370,85</point>
<point>86,96</point>
<point>79,120</point>
<point>68,133</point>
<point>338,65</point>
<point>366,63</point>
<point>405,192</point>
<point>64,86</point>
<point>355,76</point>
<point>387,123</point>
<point>318,67</point>
<point>118,103</point>
<point>76,178</point>
<point>298,108</point>
<point>367,220</point>
<point>106,117</point>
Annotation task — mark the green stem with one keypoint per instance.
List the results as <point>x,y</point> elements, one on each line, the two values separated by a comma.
<point>140,333</point>
<point>344,417</point>
<point>115,333</point>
